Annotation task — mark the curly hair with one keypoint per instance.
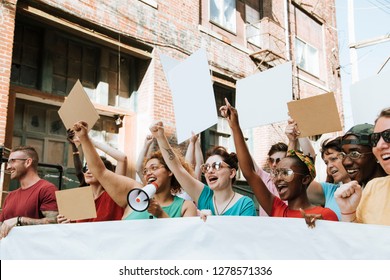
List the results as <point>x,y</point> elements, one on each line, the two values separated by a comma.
<point>229,158</point>
<point>175,185</point>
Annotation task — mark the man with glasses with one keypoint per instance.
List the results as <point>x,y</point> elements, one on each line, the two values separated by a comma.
<point>358,159</point>
<point>34,202</point>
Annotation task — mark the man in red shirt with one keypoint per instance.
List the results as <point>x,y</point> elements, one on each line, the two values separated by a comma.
<point>34,202</point>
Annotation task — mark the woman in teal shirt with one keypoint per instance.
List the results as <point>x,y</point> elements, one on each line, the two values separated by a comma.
<point>220,171</point>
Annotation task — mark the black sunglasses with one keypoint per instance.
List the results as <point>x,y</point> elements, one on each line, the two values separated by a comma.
<point>375,137</point>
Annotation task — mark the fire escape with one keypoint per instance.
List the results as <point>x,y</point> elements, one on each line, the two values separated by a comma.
<point>267,35</point>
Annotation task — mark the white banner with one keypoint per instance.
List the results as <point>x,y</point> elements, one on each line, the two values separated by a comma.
<point>219,238</point>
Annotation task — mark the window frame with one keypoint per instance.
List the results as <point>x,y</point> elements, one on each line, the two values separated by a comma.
<point>312,61</point>
<point>222,22</point>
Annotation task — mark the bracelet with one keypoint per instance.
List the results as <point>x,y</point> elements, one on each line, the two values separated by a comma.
<point>348,213</point>
<point>76,153</point>
<point>19,221</point>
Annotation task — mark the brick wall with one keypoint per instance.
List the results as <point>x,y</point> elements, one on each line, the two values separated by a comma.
<point>7,20</point>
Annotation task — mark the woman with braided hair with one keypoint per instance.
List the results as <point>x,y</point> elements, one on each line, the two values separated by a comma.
<point>291,176</point>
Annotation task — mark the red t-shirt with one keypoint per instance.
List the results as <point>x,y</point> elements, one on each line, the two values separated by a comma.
<point>106,210</point>
<point>280,209</point>
<point>30,202</point>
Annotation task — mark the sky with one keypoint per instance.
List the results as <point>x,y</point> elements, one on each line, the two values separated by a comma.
<point>372,20</point>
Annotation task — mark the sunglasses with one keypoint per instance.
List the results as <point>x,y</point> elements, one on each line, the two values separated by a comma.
<point>205,168</point>
<point>376,136</point>
<point>285,174</point>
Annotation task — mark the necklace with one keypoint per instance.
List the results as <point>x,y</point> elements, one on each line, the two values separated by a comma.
<point>223,211</point>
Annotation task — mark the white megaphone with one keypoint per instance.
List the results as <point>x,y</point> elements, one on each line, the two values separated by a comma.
<point>139,199</point>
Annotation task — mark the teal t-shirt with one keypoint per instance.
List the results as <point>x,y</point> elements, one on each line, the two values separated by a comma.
<point>243,207</point>
<point>330,202</point>
<point>173,210</point>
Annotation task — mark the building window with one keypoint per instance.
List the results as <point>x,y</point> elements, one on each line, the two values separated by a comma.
<point>52,61</point>
<point>223,13</point>
<point>306,57</point>
<point>26,56</point>
<point>73,61</point>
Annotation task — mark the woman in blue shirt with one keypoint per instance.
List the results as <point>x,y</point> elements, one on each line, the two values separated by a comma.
<point>220,171</point>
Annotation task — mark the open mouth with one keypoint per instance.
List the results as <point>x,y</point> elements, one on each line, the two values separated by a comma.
<point>385,156</point>
<point>151,180</point>
<point>281,188</point>
<point>212,179</point>
<point>334,171</point>
<point>352,171</point>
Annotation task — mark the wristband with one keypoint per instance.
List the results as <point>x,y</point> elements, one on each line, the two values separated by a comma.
<point>76,153</point>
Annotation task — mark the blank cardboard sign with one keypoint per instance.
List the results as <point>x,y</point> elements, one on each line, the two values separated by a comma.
<point>76,204</point>
<point>78,107</point>
<point>315,115</point>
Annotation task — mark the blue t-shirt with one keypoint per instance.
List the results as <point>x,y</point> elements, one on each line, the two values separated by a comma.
<point>330,202</point>
<point>243,207</point>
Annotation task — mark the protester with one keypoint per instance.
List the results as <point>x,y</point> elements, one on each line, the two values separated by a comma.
<point>357,156</point>
<point>144,154</point>
<point>219,170</point>
<point>34,202</point>
<point>106,208</point>
<point>372,205</point>
<point>277,152</point>
<point>118,186</point>
<point>291,177</point>
<point>323,193</point>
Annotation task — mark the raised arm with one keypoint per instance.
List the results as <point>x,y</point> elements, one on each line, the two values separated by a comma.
<point>263,195</point>
<point>192,186</point>
<point>194,156</point>
<point>145,152</point>
<point>190,153</point>
<point>117,186</point>
<point>199,160</point>
<point>120,157</point>
<point>78,165</point>
<point>292,132</point>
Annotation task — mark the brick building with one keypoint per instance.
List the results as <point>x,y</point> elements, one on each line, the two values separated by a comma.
<point>113,47</point>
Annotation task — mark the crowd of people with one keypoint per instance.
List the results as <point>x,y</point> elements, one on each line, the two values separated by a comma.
<point>357,188</point>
